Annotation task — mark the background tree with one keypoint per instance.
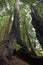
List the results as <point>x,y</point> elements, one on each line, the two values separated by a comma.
<point>6,8</point>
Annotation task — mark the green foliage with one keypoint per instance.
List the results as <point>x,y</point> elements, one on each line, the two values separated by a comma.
<point>37,3</point>
<point>6,8</point>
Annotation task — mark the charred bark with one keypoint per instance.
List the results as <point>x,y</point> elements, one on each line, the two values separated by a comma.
<point>37,23</point>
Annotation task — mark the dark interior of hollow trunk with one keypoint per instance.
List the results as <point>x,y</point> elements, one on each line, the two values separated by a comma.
<point>22,55</point>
